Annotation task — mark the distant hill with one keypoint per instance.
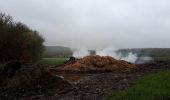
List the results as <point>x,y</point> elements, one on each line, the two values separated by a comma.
<point>155,53</point>
<point>57,51</point>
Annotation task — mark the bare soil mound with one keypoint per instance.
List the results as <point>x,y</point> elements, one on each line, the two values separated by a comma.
<point>96,63</point>
<point>31,82</point>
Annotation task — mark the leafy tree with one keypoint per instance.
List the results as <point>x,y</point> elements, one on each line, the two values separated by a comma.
<point>18,42</point>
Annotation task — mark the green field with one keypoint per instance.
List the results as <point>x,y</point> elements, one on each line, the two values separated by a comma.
<point>151,87</point>
<point>52,61</point>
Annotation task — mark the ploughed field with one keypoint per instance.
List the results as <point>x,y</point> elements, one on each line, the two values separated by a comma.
<point>81,83</point>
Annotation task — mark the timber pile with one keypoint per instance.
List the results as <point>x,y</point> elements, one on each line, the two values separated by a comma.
<point>96,63</point>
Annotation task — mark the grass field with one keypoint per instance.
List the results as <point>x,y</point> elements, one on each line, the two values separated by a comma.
<point>52,61</point>
<point>152,87</point>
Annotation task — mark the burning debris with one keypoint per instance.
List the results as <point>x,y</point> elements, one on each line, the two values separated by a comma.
<point>96,63</point>
<point>70,60</point>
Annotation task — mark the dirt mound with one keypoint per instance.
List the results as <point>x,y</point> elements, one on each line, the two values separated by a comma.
<point>29,82</point>
<point>97,63</point>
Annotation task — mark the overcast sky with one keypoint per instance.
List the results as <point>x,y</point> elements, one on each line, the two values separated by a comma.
<point>95,23</point>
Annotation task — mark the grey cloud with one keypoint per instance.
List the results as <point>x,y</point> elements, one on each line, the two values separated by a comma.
<point>95,23</point>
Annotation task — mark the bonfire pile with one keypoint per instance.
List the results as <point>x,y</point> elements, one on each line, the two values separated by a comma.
<point>97,63</point>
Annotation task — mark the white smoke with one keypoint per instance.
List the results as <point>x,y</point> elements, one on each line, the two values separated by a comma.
<point>81,52</point>
<point>130,57</point>
<point>144,59</point>
<point>111,51</point>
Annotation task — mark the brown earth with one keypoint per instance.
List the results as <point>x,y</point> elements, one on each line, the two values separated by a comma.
<point>96,64</point>
<point>31,83</point>
<point>96,86</point>
<point>38,84</point>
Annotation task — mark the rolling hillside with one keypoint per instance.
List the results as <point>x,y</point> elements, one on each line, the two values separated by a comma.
<point>57,51</point>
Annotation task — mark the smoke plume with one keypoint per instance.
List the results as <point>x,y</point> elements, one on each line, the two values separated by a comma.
<point>111,51</point>
<point>80,52</point>
<point>130,57</point>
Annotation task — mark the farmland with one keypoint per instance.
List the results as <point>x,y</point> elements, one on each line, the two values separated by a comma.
<point>52,61</point>
<point>150,87</point>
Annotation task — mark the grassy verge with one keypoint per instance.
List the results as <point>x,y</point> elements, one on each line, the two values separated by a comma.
<point>152,87</point>
<point>52,61</point>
